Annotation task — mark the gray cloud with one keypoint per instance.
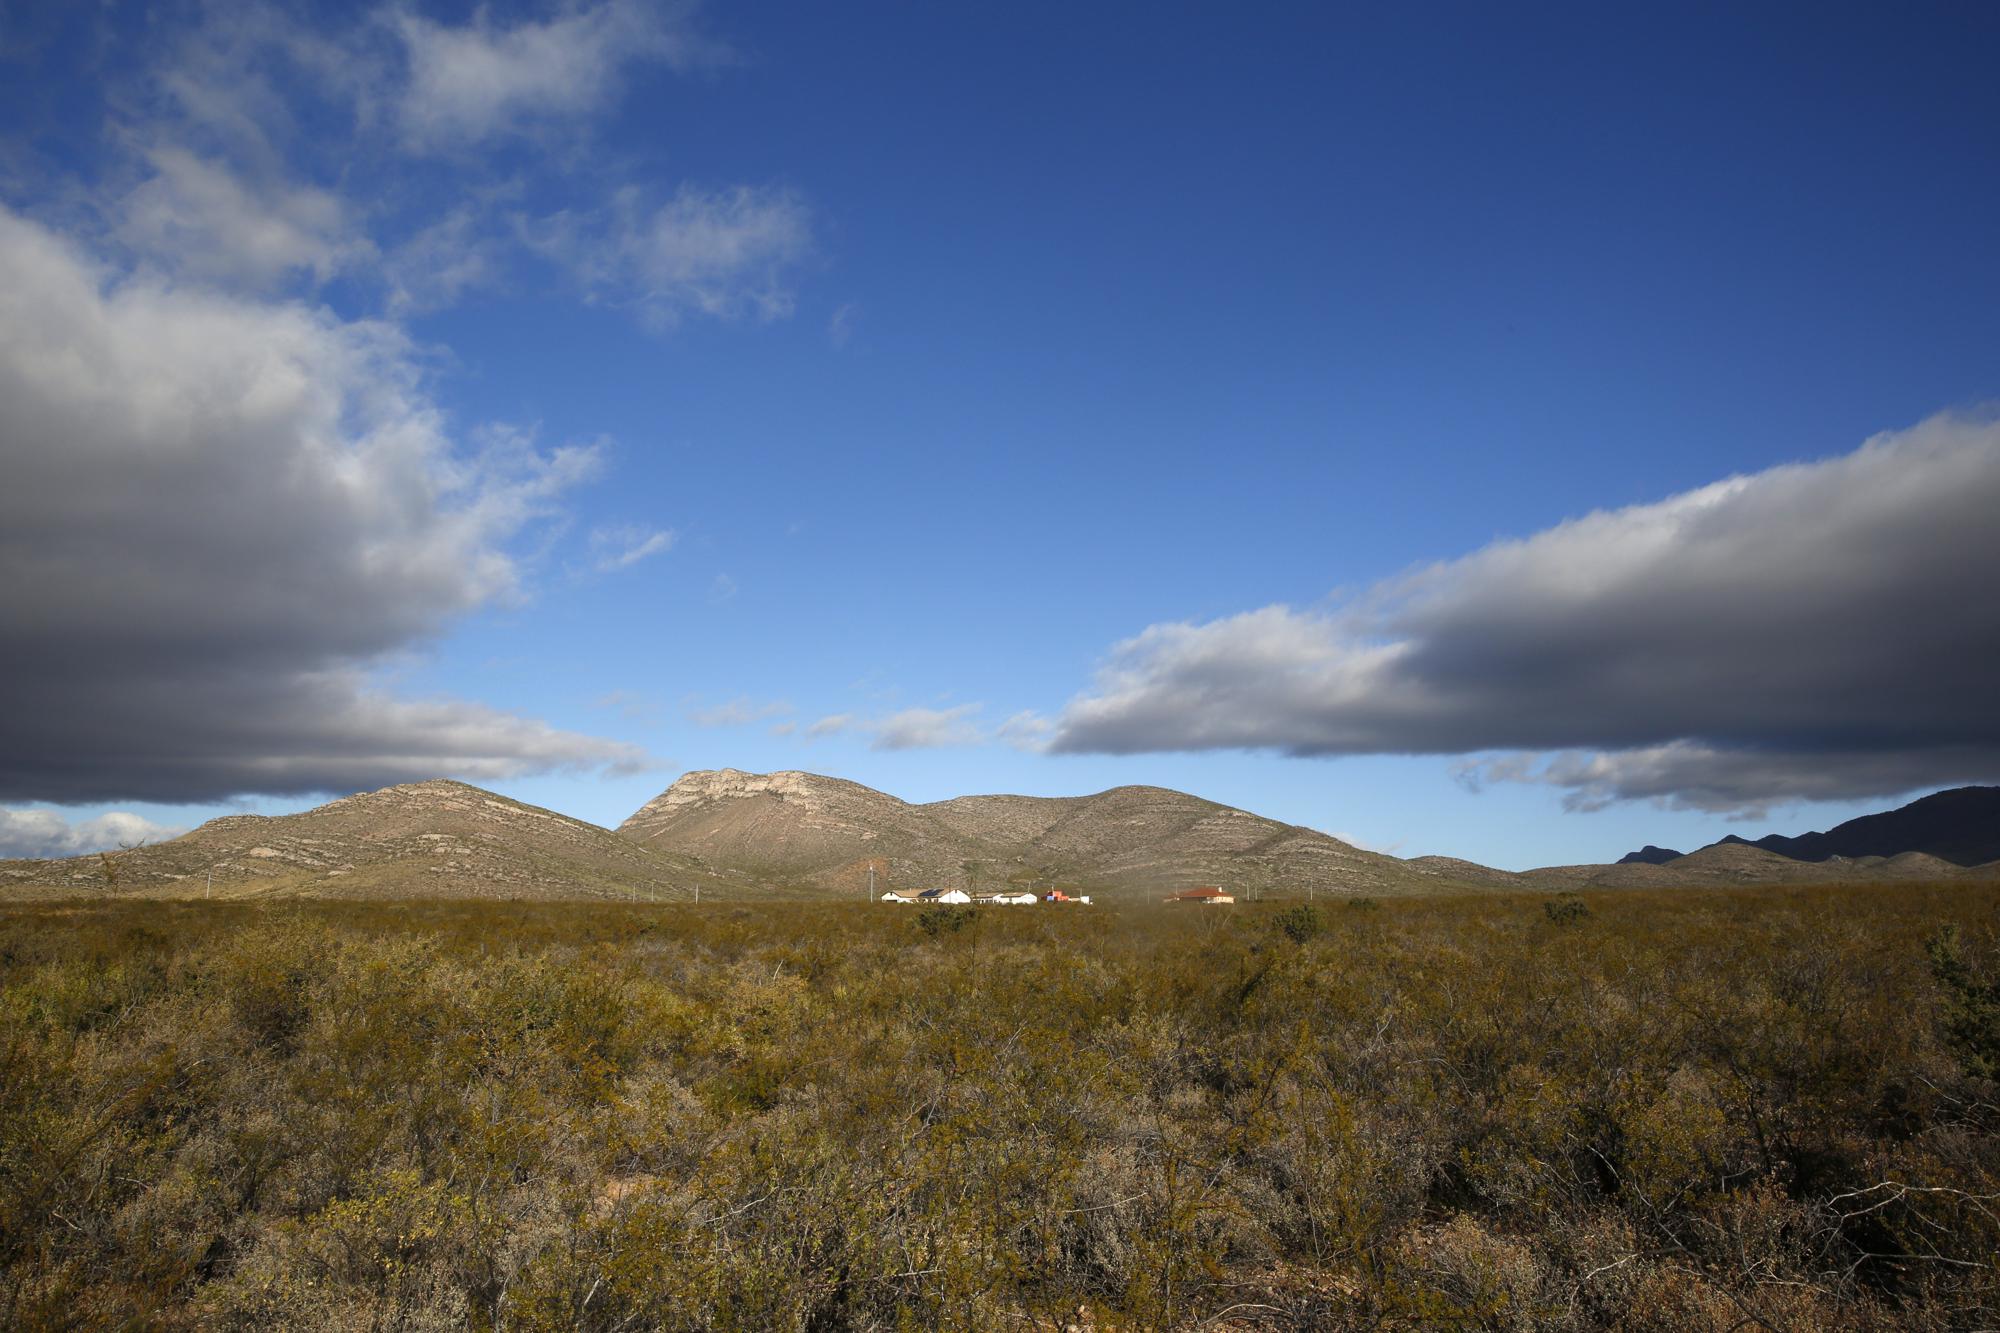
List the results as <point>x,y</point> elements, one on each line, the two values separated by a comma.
<point>1742,782</point>
<point>1816,631</point>
<point>218,515</point>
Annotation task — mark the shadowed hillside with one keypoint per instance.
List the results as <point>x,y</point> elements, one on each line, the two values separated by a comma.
<point>1961,826</point>
<point>1726,863</point>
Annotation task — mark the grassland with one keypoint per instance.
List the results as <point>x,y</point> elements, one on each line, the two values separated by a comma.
<point>1769,1108</point>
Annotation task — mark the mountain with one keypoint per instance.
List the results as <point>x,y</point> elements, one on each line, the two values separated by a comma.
<point>1961,826</point>
<point>1725,863</point>
<point>802,829</point>
<point>430,839</point>
<point>737,834</point>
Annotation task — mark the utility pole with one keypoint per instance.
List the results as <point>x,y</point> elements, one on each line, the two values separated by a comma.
<point>871,881</point>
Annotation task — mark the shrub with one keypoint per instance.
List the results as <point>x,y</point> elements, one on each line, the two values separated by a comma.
<point>1299,923</point>
<point>1711,1107</point>
<point>941,918</point>
<point>1567,910</point>
<point>1971,1011</point>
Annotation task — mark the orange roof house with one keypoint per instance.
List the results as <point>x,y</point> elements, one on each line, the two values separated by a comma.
<point>1211,895</point>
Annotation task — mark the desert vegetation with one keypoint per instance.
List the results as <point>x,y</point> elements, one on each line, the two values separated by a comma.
<point>1764,1109</point>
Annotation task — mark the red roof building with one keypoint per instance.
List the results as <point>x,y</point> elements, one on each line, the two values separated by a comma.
<point>1211,894</point>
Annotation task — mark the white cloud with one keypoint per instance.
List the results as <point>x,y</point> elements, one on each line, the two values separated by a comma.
<point>738,712</point>
<point>1026,730</point>
<point>840,327</point>
<point>726,253</point>
<point>630,705</point>
<point>831,725</point>
<point>1818,631</point>
<point>616,548</point>
<point>219,514</point>
<point>275,151</point>
<point>1386,849</point>
<point>931,728</point>
<point>927,728</point>
<point>46,833</point>
<point>439,264</point>
<point>199,220</point>
<point>480,81</point>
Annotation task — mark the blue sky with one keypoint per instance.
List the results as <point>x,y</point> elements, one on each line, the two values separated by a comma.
<point>566,396</point>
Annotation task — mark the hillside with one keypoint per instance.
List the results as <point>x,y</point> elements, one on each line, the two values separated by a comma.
<point>431,839</point>
<point>804,829</point>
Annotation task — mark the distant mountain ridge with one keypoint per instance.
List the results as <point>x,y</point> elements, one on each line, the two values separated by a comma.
<point>1960,826</point>
<point>1649,855</point>
<point>1723,864</point>
<point>827,833</point>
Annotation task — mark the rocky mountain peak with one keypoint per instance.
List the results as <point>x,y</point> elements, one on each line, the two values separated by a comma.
<point>723,784</point>
<point>807,792</point>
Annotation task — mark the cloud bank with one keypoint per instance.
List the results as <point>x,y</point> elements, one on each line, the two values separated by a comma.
<point>46,833</point>
<point>229,497</point>
<point>1817,631</point>
<point>219,514</point>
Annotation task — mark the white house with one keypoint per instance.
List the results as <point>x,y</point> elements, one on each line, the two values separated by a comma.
<point>944,896</point>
